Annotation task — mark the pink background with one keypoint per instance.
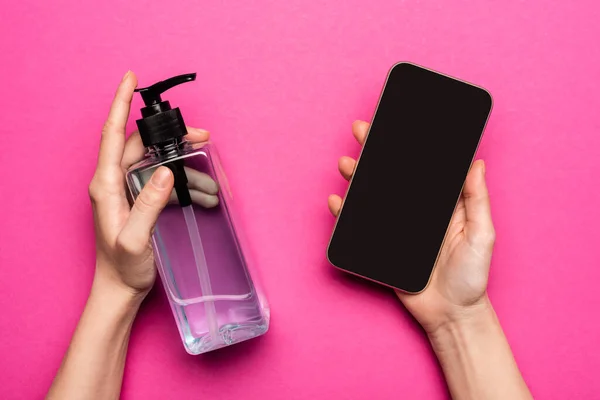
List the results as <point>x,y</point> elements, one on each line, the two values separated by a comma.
<point>279,84</point>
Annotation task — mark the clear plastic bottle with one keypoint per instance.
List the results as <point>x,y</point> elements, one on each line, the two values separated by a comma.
<point>200,253</point>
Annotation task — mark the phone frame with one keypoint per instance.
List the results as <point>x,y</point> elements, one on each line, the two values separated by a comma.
<point>358,163</point>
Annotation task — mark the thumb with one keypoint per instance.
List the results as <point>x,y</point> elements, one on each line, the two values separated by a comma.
<point>146,209</point>
<point>479,228</point>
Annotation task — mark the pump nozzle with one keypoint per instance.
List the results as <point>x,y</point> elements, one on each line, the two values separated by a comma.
<point>161,124</point>
<point>151,94</point>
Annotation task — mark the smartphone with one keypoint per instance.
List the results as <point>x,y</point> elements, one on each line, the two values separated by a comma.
<point>409,177</point>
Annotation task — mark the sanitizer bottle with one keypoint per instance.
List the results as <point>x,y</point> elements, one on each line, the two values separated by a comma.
<point>200,253</point>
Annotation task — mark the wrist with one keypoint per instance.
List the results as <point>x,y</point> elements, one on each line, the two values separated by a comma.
<point>114,294</point>
<point>466,323</point>
<point>476,357</point>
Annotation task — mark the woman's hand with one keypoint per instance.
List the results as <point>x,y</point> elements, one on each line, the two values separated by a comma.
<point>93,365</point>
<point>124,254</point>
<point>454,309</point>
<point>457,290</point>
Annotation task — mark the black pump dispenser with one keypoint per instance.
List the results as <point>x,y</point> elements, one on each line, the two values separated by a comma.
<point>161,125</point>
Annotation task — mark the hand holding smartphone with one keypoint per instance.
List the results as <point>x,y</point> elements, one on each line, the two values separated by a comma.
<point>409,177</point>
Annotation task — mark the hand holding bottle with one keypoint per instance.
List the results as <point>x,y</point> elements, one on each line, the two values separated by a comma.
<point>124,255</point>
<point>93,365</point>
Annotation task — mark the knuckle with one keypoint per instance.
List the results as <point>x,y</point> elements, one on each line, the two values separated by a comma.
<point>131,246</point>
<point>487,236</point>
<point>146,201</point>
<point>492,236</point>
<point>108,127</point>
<point>94,189</point>
<point>101,186</point>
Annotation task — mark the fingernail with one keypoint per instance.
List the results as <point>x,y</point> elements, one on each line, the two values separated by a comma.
<point>199,130</point>
<point>126,75</point>
<point>482,168</point>
<point>161,176</point>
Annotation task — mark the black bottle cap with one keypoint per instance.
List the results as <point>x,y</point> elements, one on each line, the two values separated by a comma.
<point>160,123</point>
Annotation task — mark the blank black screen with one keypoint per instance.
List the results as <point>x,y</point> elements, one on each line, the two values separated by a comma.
<point>420,147</point>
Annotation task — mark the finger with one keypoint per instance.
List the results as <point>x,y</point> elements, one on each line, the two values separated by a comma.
<point>346,166</point>
<point>477,205</point>
<point>203,189</point>
<point>200,181</point>
<point>146,209</point>
<point>203,199</point>
<point>135,150</point>
<point>335,204</point>
<point>459,217</point>
<point>360,130</point>
<point>196,135</point>
<point>113,133</point>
